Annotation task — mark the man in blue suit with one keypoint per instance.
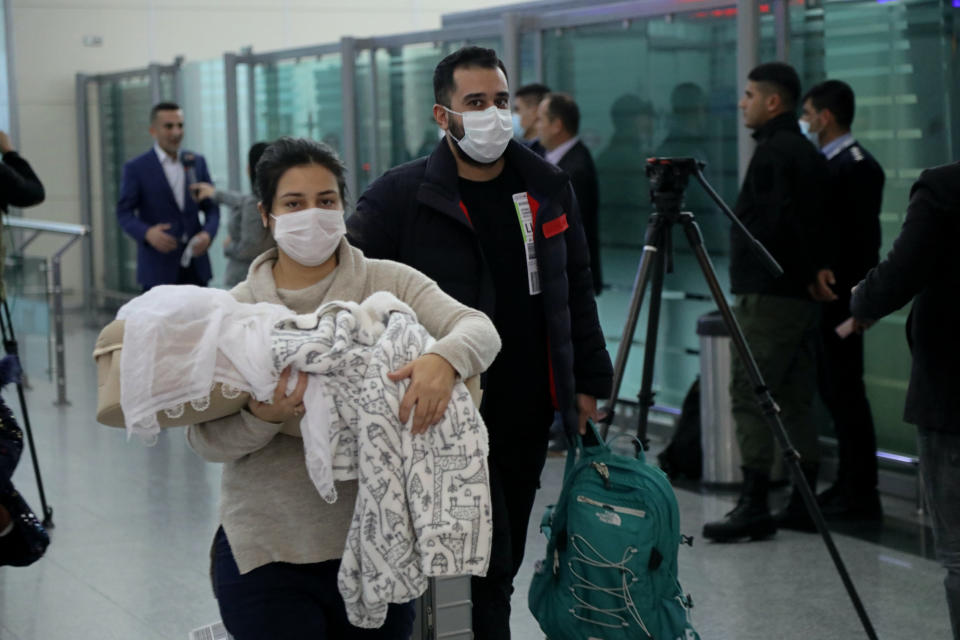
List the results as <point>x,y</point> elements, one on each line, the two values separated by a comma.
<point>158,208</point>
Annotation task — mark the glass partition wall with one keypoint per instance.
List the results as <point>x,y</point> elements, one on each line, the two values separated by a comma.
<point>123,110</point>
<point>655,86</point>
<point>651,78</point>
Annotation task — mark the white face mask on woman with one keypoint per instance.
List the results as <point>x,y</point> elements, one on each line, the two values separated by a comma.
<point>309,236</point>
<point>486,133</point>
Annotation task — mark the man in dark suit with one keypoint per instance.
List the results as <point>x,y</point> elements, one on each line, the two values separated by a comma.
<point>923,266</point>
<point>558,123</point>
<point>158,209</point>
<point>856,193</point>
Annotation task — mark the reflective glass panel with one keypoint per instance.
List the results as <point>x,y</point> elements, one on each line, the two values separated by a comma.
<point>900,59</point>
<point>662,86</point>
<point>204,106</point>
<point>124,121</point>
<point>300,98</point>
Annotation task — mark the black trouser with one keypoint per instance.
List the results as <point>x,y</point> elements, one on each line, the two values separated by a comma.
<point>843,391</point>
<point>514,479</point>
<point>284,601</point>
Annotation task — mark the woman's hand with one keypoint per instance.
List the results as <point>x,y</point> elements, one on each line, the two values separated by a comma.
<point>284,407</point>
<point>431,385</point>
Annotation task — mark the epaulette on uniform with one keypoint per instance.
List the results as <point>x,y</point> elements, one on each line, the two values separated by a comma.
<point>856,153</point>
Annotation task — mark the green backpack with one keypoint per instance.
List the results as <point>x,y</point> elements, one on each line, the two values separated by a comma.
<point>611,566</point>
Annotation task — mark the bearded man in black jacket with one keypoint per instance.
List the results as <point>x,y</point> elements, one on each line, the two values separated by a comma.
<point>782,203</point>
<point>499,229</point>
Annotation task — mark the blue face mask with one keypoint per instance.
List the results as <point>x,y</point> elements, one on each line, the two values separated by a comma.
<point>517,127</point>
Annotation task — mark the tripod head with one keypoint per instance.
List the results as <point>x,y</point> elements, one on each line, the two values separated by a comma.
<point>668,181</point>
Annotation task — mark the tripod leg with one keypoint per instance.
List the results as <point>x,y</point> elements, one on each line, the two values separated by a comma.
<point>650,250</point>
<point>772,413</point>
<point>650,347</point>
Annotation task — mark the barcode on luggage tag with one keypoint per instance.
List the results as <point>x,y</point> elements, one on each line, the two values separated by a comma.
<point>215,631</point>
<point>525,216</point>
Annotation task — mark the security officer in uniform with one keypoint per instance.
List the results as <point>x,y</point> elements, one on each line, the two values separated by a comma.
<point>856,188</point>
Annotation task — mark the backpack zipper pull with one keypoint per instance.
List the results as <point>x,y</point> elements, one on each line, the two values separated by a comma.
<point>604,473</point>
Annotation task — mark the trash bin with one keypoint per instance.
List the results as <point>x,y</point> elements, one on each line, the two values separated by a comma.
<point>718,438</point>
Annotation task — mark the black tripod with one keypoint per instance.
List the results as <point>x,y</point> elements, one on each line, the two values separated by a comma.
<point>10,347</point>
<point>668,180</point>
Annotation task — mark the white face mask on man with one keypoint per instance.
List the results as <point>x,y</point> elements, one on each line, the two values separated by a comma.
<point>486,133</point>
<point>812,136</point>
<point>309,236</point>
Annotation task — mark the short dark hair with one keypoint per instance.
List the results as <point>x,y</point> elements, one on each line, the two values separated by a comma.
<point>287,153</point>
<point>783,78</point>
<point>162,106</point>
<point>443,84</point>
<point>535,92</point>
<point>836,96</point>
<point>253,157</point>
<point>561,105</point>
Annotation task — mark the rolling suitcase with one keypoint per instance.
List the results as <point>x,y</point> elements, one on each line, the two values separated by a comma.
<point>445,610</point>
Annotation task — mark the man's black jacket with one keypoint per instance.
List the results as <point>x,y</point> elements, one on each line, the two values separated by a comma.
<point>923,265</point>
<point>856,194</point>
<point>19,185</point>
<point>578,164</point>
<point>783,204</point>
<point>413,214</point>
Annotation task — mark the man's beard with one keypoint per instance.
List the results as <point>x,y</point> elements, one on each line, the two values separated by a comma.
<point>456,131</point>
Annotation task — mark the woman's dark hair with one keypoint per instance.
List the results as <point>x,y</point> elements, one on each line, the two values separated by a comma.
<point>253,157</point>
<point>287,153</point>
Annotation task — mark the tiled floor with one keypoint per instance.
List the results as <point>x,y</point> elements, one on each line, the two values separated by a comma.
<point>129,556</point>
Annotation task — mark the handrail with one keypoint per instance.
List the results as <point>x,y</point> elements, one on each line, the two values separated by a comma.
<point>76,231</point>
<point>46,225</point>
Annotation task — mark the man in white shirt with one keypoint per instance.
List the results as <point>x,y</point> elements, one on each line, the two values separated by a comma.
<point>156,209</point>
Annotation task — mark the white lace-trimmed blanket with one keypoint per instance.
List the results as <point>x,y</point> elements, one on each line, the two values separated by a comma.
<point>178,341</point>
<point>423,505</point>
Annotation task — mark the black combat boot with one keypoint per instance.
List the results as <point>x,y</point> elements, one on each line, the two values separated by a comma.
<point>795,515</point>
<point>751,517</point>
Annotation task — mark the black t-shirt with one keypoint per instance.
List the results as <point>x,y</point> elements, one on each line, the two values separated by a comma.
<point>517,398</point>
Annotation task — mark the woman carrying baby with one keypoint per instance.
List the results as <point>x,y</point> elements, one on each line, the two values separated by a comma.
<point>278,549</point>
